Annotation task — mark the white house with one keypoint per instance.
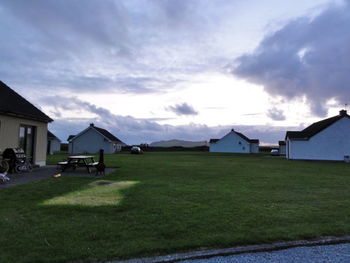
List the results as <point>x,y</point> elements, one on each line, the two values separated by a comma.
<point>324,140</point>
<point>53,143</point>
<point>234,142</point>
<point>92,139</point>
<point>282,148</point>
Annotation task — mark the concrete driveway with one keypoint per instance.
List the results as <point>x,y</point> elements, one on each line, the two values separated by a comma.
<point>44,172</point>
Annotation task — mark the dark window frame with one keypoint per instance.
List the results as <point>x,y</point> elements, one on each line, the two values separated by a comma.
<point>26,127</point>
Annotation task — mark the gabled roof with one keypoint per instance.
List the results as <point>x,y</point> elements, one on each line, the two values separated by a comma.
<point>13,104</point>
<point>70,137</point>
<point>316,127</point>
<point>240,135</point>
<point>50,135</point>
<point>246,138</point>
<point>107,134</point>
<point>103,132</point>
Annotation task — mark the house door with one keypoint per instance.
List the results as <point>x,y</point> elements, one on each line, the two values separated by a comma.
<point>27,140</point>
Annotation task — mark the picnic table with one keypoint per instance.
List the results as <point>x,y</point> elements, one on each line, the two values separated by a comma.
<point>78,161</point>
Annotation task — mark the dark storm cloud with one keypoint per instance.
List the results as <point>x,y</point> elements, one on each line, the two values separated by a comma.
<point>85,45</point>
<point>182,109</point>
<point>72,24</point>
<point>177,13</point>
<point>133,46</point>
<point>276,114</point>
<point>54,43</point>
<point>307,58</point>
<point>121,84</point>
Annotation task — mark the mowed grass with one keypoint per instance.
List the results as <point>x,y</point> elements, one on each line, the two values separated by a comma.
<point>159,203</point>
<point>98,193</point>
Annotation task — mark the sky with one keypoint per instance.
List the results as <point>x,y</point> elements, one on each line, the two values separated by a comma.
<point>150,70</point>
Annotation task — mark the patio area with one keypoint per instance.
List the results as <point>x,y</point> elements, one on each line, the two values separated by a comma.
<point>48,171</point>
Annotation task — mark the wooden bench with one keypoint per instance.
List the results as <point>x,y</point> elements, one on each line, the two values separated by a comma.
<point>63,164</point>
<point>78,161</point>
<point>92,164</point>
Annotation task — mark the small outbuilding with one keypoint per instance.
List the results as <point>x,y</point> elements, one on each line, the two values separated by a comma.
<point>234,142</point>
<point>324,140</point>
<point>92,139</point>
<point>282,148</point>
<point>53,143</point>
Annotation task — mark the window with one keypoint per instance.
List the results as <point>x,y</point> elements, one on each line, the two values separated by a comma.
<point>27,140</point>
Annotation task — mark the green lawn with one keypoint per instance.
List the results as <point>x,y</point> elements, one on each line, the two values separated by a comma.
<point>158,203</point>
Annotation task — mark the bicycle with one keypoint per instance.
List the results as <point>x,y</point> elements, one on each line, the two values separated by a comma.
<point>23,166</point>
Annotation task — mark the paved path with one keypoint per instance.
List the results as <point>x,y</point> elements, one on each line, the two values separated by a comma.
<point>318,254</point>
<point>46,172</point>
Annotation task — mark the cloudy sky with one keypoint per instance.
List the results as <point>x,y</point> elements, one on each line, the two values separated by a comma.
<point>150,70</point>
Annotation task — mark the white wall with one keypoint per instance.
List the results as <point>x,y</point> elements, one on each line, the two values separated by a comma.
<point>70,150</point>
<point>282,150</point>
<point>330,144</point>
<point>55,146</point>
<point>118,147</point>
<point>90,142</point>
<point>254,148</point>
<point>230,143</point>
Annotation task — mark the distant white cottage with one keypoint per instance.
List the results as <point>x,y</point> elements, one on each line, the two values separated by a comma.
<point>53,143</point>
<point>92,139</point>
<point>324,140</point>
<point>234,142</point>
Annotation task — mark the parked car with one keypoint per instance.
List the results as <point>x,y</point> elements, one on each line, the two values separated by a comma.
<point>274,152</point>
<point>136,150</point>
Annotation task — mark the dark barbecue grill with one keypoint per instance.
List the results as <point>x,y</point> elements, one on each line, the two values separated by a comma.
<point>14,156</point>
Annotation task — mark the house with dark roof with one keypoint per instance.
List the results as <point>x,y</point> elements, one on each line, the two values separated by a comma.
<point>53,143</point>
<point>327,139</point>
<point>22,125</point>
<point>234,142</point>
<point>92,139</point>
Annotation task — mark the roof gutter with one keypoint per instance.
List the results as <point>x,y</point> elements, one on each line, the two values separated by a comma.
<point>48,120</point>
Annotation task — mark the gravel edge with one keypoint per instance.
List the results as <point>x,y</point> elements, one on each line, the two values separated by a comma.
<point>201,254</point>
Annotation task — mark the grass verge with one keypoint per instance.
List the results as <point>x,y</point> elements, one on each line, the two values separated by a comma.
<point>181,201</point>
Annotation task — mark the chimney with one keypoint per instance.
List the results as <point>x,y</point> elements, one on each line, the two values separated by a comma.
<point>232,130</point>
<point>343,113</point>
<point>92,125</point>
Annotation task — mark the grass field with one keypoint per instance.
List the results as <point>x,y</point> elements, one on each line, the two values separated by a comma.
<point>158,203</point>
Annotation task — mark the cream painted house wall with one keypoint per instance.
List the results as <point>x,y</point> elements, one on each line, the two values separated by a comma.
<point>9,136</point>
